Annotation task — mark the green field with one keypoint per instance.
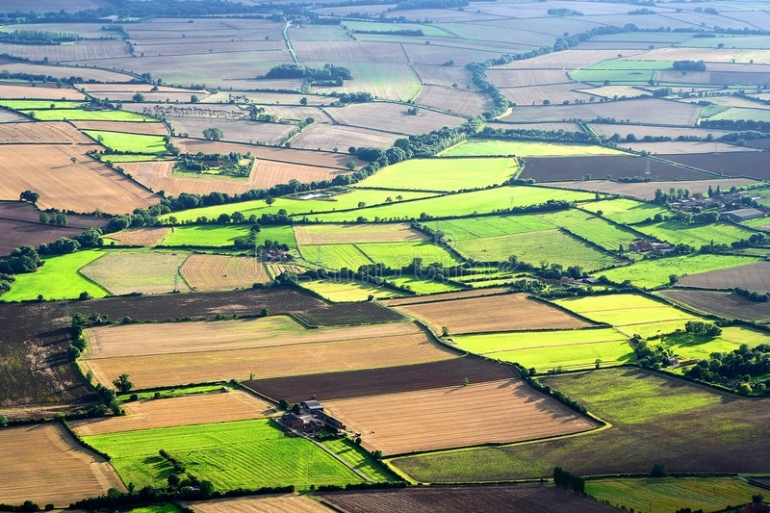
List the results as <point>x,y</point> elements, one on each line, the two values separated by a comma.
<point>347,291</point>
<point>470,228</point>
<point>419,286</point>
<point>359,459</point>
<point>482,147</point>
<point>629,313</point>
<point>459,205</point>
<point>427,30</point>
<point>131,143</point>
<point>401,254</point>
<point>592,228</point>
<point>655,419</point>
<point>536,248</point>
<point>300,207</point>
<point>335,256</point>
<point>737,113</point>
<point>248,454</point>
<point>86,115</point>
<point>649,495</point>
<point>687,346</point>
<point>675,233</point>
<point>118,159</point>
<point>138,270</point>
<point>217,236</point>
<point>625,211</point>
<point>545,350</point>
<point>653,273</point>
<point>40,104</point>
<point>165,508</point>
<point>620,72</point>
<point>443,174</point>
<point>58,278</point>
<point>172,392</point>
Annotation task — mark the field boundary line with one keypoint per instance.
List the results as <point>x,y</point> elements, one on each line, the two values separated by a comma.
<point>92,281</point>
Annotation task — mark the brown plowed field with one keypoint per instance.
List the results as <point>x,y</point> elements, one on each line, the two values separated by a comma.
<point>23,233</point>
<point>269,504</point>
<point>754,277</point>
<point>234,130</point>
<point>48,170</point>
<point>18,211</point>
<point>392,117</point>
<point>406,378</point>
<point>723,304</point>
<point>222,272</point>
<point>40,91</point>
<point>140,236</point>
<point>504,312</point>
<point>141,339</point>
<point>352,234</point>
<point>547,169</point>
<point>129,127</point>
<point>556,94</point>
<point>453,100</point>
<point>43,463</point>
<point>284,360</point>
<point>447,296</point>
<point>178,411</point>
<point>459,416</point>
<point>42,132</point>
<point>86,74</point>
<point>752,164</point>
<point>522,498</point>
<point>503,78</point>
<point>647,190</point>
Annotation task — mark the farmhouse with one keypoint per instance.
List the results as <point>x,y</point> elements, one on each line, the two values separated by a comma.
<point>743,214</point>
<point>311,418</point>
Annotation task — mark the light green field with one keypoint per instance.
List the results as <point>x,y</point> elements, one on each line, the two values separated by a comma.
<point>40,104</point>
<point>297,207</point>
<point>470,228</point>
<point>592,228</point>
<point>625,211</point>
<point>396,255</point>
<point>761,223</point>
<point>482,147</point>
<point>172,392</point>
<point>419,286</point>
<point>335,256</point>
<point>648,495</point>
<point>118,159</point>
<point>206,235</point>
<point>428,30</point>
<point>615,76</point>
<point>629,313</point>
<point>58,278</point>
<point>545,350</point>
<point>458,205</point>
<point>443,174</point>
<point>248,454</point>
<point>146,271</point>
<point>87,115</point>
<point>136,143</point>
<point>359,459</point>
<point>737,113</point>
<point>649,274</point>
<point>688,346</point>
<point>348,291</point>
<point>675,233</point>
<point>536,248</point>
<point>729,41</point>
<point>166,508</point>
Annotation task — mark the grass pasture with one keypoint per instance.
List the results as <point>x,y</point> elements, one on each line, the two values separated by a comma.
<point>592,228</point>
<point>420,421</point>
<point>625,211</point>
<point>545,350</point>
<point>401,254</point>
<point>419,286</point>
<point>58,278</point>
<point>470,228</point>
<point>129,143</point>
<point>654,273</point>
<point>675,233</point>
<point>482,147</point>
<point>647,495</point>
<point>359,459</point>
<point>335,256</point>
<point>690,347</point>
<point>207,235</point>
<point>443,175</point>
<point>243,454</point>
<point>355,233</point>
<point>706,431</point>
<point>151,272</point>
<point>85,115</point>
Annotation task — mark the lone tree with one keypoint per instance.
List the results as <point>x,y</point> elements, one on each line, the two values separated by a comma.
<point>123,384</point>
<point>29,196</point>
<point>213,134</point>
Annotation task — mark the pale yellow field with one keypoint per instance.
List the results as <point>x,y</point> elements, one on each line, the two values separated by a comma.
<point>358,233</point>
<point>271,504</point>
<point>222,272</point>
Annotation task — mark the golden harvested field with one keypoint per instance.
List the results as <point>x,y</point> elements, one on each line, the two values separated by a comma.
<point>130,127</point>
<point>328,137</point>
<point>235,130</point>
<point>81,51</point>
<point>356,233</point>
<point>270,504</point>
<point>222,272</point>
<point>141,339</point>
<point>503,312</point>
<point>647,190</point>
<point>267,362</point>
<point>40,91</point>
<point>442,418</point>
<point>449,99</point>
<point>42,132</point>
<point>86,74</point>
<point>433,298</point>
<point>683,54</point>
<point>48,170</point>
<point>137,88</point>
<point>148,272</point>
<point>555,94</point>
<point>268,173</point>
<point>43,463</point>
<point>140,236</point>
<point>178,411</point>
<point>504,78</point>
<point>392,117</point>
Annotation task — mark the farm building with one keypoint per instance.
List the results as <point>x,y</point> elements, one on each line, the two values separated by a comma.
<point>743,214</point>
<point>312,406</point>
<point>311,418</point>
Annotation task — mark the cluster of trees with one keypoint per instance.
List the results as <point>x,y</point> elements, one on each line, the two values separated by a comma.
<point>737,125</point>
<point>752,295</point>
<point>400,32</point>
<point>740,364</point>
<point>36,37</point>
<point>638,12</point>
<point>430,4</point>
<point>689,65</point>
<point>674,194</point>
<point>702,328</point>
<point>329,75</point>
<point>22,260</point>
<point>564,12</point>
<point>568,480</point>
<point>353,97</point>
<point>537,135</point>
<point>228,165</point>
<point>650,358</point>
<point>213,134</point>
